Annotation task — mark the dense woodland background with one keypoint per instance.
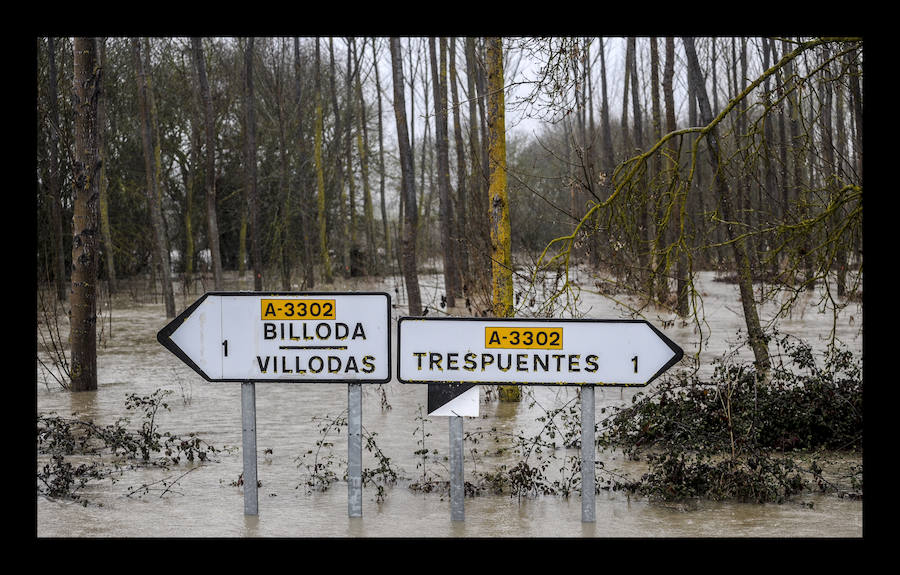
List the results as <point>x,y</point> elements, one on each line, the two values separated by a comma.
<point>642,160</point>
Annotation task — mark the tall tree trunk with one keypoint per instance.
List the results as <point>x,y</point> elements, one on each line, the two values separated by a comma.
<point>481,238</point>
<point>306,201</point>
<point>152,174</point>
<point>344,237</point>
<point>362,145</point>
<point>106,230</point>
<point>408,184</point>
<point>609,160</point>
<point>770,186</point>
<point>782,201</point>
<point>381,175</point>
<point>439,86</point>
<point>212,221</point>
<point>796,141</point>
<point>190,166</point>
<point>59,260</point>
<point>256,235</point>
<point>595,240</point>
<point>695,198</point>
<point>659,261</point>
<point>626,138</point>
<point>840,148</point>
<point>352,247</point>
<point>501,258</point>
<point>320,176</point>
<point>460,233</point>
<point>644,263</point>
<point>285,243</point>
<point>755,334</point>
<point>85,219</point>
<point>681,297</point>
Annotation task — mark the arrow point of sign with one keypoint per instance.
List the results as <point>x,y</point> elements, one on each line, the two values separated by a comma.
<point>188,336</point>
<point>677,352</point>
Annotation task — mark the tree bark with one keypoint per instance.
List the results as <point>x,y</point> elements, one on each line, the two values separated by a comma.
<point>85,220</point>
<point>408,184</point>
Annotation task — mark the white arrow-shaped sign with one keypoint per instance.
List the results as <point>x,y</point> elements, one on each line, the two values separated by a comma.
<point>532,351</point>
<point>285,336</point>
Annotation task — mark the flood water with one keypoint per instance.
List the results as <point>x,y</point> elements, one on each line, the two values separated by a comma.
<point>205,502</point>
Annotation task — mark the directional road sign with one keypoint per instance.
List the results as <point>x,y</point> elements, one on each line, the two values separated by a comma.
<point>285,336</point>
<point>532,351</point>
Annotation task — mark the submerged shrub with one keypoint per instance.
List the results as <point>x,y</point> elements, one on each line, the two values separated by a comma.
<point>81,452</point>
<point>729,436</point>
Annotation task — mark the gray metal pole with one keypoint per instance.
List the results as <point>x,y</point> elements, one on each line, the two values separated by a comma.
<point>354,449</point>
<point>587,454</point>
<point>248,434</point>
<point>457,486</point>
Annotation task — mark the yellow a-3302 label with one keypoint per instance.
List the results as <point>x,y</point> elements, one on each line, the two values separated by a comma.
<point>523,337</point>
<point>285,309</point>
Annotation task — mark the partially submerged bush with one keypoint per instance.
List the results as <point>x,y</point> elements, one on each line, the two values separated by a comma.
<point>732,436</point>
<point>81,452</point>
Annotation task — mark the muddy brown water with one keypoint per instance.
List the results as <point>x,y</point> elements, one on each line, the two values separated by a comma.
<point>205,502</point>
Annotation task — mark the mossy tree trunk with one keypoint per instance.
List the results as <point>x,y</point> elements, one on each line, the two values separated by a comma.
<point>501,256</point>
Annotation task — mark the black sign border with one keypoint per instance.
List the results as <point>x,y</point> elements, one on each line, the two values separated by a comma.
<point>164,336</point>
<point>679,353</point>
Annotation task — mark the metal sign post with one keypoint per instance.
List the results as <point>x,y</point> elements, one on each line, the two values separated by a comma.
<point>354,450</point>
<point>457,481</point>
<point>588,496</point>
<point>322,337</point>
<point>452,355</point>
<point>248,448</point>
